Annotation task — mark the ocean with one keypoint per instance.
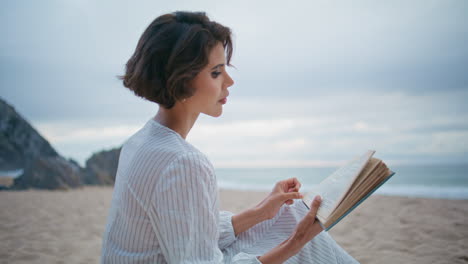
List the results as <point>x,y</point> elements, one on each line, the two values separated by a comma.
<point>429,181</point>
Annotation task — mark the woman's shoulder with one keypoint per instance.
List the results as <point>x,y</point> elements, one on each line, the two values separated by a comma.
<point>156,157</point>
<point>159,145</point>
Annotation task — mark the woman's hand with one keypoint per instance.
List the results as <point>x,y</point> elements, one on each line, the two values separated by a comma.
<point>308,227</point>
<point>283,193</point>
<point>305,231</point>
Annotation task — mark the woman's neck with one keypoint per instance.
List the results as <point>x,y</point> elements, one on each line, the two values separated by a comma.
<point>178,118</point>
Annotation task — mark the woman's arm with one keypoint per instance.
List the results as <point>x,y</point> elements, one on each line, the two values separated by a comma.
<point>184,212</point>
<point>307,229</point>
<point>247,219</point>
<point>282,193</point>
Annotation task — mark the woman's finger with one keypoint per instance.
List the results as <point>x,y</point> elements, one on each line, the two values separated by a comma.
<point>293,183</point>
<point>298,184</point>
<point>292,195</point>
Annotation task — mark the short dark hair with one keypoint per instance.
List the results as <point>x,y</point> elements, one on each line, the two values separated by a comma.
<point>170,53</point>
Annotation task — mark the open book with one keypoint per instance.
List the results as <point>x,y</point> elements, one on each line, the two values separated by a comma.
<point>347,187</point>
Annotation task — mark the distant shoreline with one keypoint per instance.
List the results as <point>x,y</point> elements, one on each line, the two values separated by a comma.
<point>409,191</point>
<point>438,182</point>
<point>462,196</point>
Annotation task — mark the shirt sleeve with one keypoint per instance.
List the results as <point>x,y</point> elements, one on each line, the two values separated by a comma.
<point>184,212</point>
<point>226,230</point>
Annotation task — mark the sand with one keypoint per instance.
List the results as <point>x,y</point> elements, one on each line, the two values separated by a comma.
<point>6,181</point>
<point>67,226</point>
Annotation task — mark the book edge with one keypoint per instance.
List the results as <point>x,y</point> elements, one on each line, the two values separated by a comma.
<point>369,154</point>
<point>308,198</point>
<point>360,201</point>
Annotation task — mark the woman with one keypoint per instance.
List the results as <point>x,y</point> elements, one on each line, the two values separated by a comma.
<point>165,203</point>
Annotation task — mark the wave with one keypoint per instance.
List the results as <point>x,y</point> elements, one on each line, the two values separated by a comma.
<point>11,173</point>
<point>442,192</point>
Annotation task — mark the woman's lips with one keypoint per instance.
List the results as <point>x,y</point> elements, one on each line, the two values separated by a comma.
<point>223,101</point>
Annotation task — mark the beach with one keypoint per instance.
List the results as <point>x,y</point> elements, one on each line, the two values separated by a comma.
<point>39,226</point>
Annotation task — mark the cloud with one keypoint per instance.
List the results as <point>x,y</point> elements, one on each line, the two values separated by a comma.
<point>248,128</point>
<point>334,128</point>
<point>66,132</point>
<point>307,132</point>
<point>447,142</point>
<point>78,139</point>
<point>291,145</point>
<point>316,82</point>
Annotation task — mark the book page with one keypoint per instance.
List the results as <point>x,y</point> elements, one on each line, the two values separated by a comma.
<point>333,188</point>
<point>370,183</point>
<point>368,170</point>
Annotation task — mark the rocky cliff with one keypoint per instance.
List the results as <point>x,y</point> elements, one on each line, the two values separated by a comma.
<point>22,147</point>
<point>50,173</point>
<point>20,143</point>
<point>101,168</point>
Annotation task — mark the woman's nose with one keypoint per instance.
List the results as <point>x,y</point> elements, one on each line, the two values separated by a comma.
<point>229,80</point>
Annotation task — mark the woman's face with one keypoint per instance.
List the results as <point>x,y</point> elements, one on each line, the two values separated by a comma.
<point>211,85</point>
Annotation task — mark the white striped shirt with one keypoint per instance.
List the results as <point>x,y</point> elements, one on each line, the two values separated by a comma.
<point>165,209</point>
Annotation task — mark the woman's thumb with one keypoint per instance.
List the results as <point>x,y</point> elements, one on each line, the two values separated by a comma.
<point>315,205</point>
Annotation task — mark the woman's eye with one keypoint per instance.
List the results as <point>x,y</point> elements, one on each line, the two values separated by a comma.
<point>215,74</point>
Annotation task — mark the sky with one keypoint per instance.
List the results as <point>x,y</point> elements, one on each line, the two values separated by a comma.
<point>316,82</point>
